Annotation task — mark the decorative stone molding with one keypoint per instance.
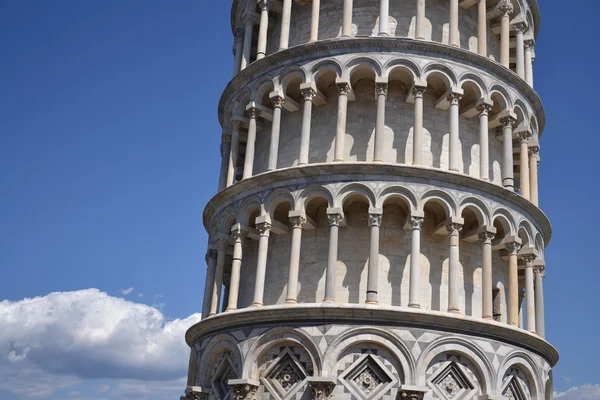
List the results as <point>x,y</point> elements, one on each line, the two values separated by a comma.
<point>308,94</point>
<point>335,219</point>
<point>195,393</point>
<point>411,393</point>
<point>321,388</point>
<point>277,101</point>
<point>375,219</point>
<point>415,222</point>
<point>243,389</point>
<point>252,112</point>
<point>508,121</point>
<point>263,228</point>
<point>381,89</point>
<point>513,247</point>
<point>343,88</point>
<point>418,91</point>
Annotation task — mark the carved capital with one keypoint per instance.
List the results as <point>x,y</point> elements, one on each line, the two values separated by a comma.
<point>343,88</point>
<point>264,228</point>
<point>211,254</point>
<point>244,391</point>
<point>521,27</point>
<point>253,112</point>
<point>308,94</point>
<point>381,89</point>
<point>524,135</point>
<point>277,101</point>
<point>539,269</point>
<point>375,219</point>
<point>486,237</point>
<point>529,44</point>
<point>416,222</point>
<point>263,5</point>
<point>454,98</point>
<point>528,259</point>
<point>513,248</point>
<point>506,8</point>
<point>418,91</point>
<point>238,235</point>
<point>484,109</point>
<point>410,394</point>
<point>453,227</point>
<point>534,151</point>
<point>334,219</point>
<point>297,221</point>
<point>321,390</point>
<point>250,19</point>
<point>508,121</point>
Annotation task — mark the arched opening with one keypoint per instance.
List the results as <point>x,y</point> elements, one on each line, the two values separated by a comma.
<point>434,236</point>
<point>471,258</point>
<point>436,138</point>
<point>394,249</point>
<point>322,136</point>
<point>400,81</point>
<point>469,108</point>
<point>360,120</point>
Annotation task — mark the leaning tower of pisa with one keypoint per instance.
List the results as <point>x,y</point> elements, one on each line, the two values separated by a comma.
<point>376,233</point>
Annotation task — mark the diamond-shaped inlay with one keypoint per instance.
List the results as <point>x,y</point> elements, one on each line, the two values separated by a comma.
<point>453,383</point>
<point>224,373</point>
<point>286,376</point>
<point>367,378</point>
<point>513,390</point>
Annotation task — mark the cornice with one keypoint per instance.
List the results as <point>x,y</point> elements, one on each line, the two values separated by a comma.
<point>322,49</point>
<point>367,171</point>
<point>371,315</point>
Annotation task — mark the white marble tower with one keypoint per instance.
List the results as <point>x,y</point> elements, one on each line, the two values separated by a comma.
<point>377,232</point>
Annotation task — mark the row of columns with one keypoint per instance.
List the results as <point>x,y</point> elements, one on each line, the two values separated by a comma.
<point>529,155</point>
<point>242,47</point>
<point>452,228</point>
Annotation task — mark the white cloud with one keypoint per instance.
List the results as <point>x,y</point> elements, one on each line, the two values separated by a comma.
<point>87,334</point>
<point>126,291</point>
<point>584,392</point>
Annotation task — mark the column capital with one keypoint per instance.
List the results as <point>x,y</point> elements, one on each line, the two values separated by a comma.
<point>521,27</point>
<point>264,228</point>
<point>484,108</point>
<point>243,389</point>
<point>513,247</point>
<point>529,44</point>
<point>250,18</point>
<point>539,269</point>
<point>415,221</point>
<point>238,35</point>
<point>506,8</point>
<point>226,137</point>
<point>277,99</point>
<point>211,254</point>
<point>418,90</point>
<point>534,150</point>
<point>524,135</point>
<point>375,219</point>
<point>308,93</point>
<point>252,111</point>
<point>343,88</point>
<point>486,234</point>
<point>508,120</point>
<point>195,393</point>
<point>297,221</point>
<point>528,259</point>
<point>454,97</point>
<point>334,218</point>
<point>237,233</point>
<point>453,227</point>
<point>321,387</point>
<point>381,88</point>
<point>263,4</point>
<point>411,393</point>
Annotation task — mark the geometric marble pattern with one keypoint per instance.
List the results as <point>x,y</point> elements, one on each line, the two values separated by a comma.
<point>367,378</point>
<point>514,385</point>
<point>224,372</point>
<point>285,376</point>
<point>451,377</point>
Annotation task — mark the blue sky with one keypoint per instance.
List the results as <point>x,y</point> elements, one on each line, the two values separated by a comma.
<point>109,151</point>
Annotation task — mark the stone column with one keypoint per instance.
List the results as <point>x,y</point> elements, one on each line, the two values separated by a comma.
<point>286,15</point>
<point>534,159</point>
<point>381,91</point>
<point>454,144</point>
<point>520,28</point>
<point>211,262</point>
<point>507,163</point>
<point>482,28</point>
<point>487,279</point>
<point>415,263</point>
<point>524,167</point>
<point>384,16</point>
<point>275,128</point>
<point>420,20</point>
<point>253,113</point>
<point>529,62</point>
<point>261,263</point>
<point>506,10</point>
<point>233,153</point>
<point>334,225</point>
<point>238,51</point>
<point>375,216</point>
<point>226,287</point>
<point>539,301</point>
<point>308,94</point>
<point>454,39</point>
<point>225,151</point>
<point>529,292</point>
<point>218,281</point>
<point>261,49</point>
<point>454,268</point>
<point>347,19</point>
<point>234,285</point>
<point>314,20</point>
<point>292,288</point>
<point>418,92</point>
<point>484,146</point>
<point>249,21</point>
<point>513,283</point>
<point>343,89</point>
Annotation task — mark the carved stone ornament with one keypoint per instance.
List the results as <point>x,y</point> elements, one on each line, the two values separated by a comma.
<point>253,112</point>
<point>334,219</point>
<point>508,121</point>
<point>486,236</point>
<point>244,392</point>
<point>211,254</point>
<point>321,390</point>
<point>410,394</point>
<point>513,247</point>
<point>453,227</point>
<point>297,221</point>
<point>454,98</point>
<point>375,219</point>
<point>343,88</point>
<point>264,228</point>
<point>381,89</point>
<point>418,91</point>
<point>238,235</point>
<point>521,27</point>
<point>308,94</point>
<point>529,44</point>
<point>277,101</point>
<point>506,8</point>
<point>524,135</point>
<point>528,259</point>
<point>416,222</point>
<point>485,109</point>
